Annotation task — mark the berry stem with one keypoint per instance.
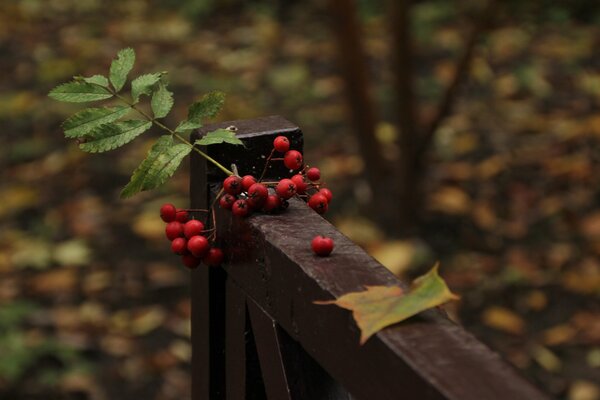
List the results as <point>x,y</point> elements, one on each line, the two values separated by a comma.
<point>264,171</point>
<point>172,132</point>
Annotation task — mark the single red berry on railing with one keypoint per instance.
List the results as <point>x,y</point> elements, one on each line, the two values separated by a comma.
<point>257,194</point>
<point>190,261</point>
<point>272,204</point>
<point>198,245</point>
<point>232,185</point>
<point>301,186</point>
<point>292,159</point>
<point>286,188</point>
<point>214,257</point>
<point>327,193</point>
<point>240,208</point>
<point>182,216</point>
<point>318,202</point>
<point>168,212</point>
<point>174,230</point>
<point>322,245</point>
<point>226,201</point>
<point>247,181</point>
<point>179,245</point>
<point>314,174</point>
<point>193,228</point>
<point>281,144</point>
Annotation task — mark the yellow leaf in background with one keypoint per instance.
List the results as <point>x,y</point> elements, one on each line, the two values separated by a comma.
<point>450,200</point>
<point>381,306</point>
<point>503,319</point>
<point>72,252</point>
<point>584,390</point>
<point>17,198</point>
<point>397,256</point>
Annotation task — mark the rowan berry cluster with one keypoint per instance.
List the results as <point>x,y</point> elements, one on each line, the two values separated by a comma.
<point>189,238</point>
<point>246,194</point>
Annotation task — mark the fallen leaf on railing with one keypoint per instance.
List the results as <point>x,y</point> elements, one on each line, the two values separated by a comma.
<point>381,306</point>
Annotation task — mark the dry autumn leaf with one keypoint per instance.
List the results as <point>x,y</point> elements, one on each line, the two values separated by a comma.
<point>381,306</point>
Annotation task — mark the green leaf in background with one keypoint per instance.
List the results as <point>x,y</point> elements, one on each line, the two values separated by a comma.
<point>110,136</point>
<point>97,80</point>
<point>79,92</point>
<point>219,136</point>
<point>207,107</point>
<point>160,164</point>
<point>381,306</point>
<point>84,121</point>
<point>162,101</point>
<point>143,85</point>
<point>120,67</point>
<point>187,125</point>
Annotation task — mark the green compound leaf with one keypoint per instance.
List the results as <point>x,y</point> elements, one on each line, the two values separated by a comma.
<point>94,79</point>
<point>187,125</point>
<point>219,136</point>
<point>207,107</point>
<point>110,136</point>
<point>120,67</point>
<point>143,85</point>
<point>83,122</point>
<point>79,92</point>
<point>381,306</point>
<point>162,161</point>
<point>162,101</point>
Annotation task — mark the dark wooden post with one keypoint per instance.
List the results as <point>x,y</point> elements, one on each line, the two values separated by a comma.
<point>257,334</point>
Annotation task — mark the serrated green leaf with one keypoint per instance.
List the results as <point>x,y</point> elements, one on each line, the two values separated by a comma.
<point>120,67</point>
<point>143,85</point>
<point>79,92</point>
<point>187,125</point>
<point>207,107</point>
<point>219,136</point>
<point>162,161</point>
<point>97,80</point>
<point>82,123</point>
<point>162,101</point>
<point>110,136</point>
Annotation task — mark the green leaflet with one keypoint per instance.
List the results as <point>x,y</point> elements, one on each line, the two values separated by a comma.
<point>187,125</point>
<point>120,67</point>
<point>143,85</point>
<point>84,121</point>
<point>79,92</point>
<point>110,136</point>
<point>162,101</point>
<point>219,136</point>
<point>207,107</point>
<point>162,161</point>
<point>95,79</point>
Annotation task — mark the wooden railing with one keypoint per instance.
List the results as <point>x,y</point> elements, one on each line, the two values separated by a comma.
<point>256,333</point>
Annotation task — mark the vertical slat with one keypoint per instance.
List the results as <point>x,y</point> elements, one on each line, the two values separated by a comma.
<point>235,343</point>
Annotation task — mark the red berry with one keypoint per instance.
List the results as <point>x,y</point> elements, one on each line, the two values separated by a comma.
<point>214,257</point>
<point>193,228</point>
<point>226,201</point>
<point>281,144</point>
<point>179,245</point>
<point>257,194</point>
<point>247,181</point>
<point>314,174</point>
<point>232,184</point>
<point>327,193</point>
<point>240,208</point>
<point>182,216</point>
<point>322,246</point>
<point>174,230</point>
<point>300,184</point>
<point>318,202</point>
<point>292,159</point>
<point>286,188</point>
<point>190,261</point>
<point>273,203</point>
<point>168,212</point>
<point>198,245</point>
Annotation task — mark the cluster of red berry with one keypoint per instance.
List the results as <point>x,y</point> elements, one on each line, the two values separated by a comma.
<point>246,194</point>
<point>188,238</point>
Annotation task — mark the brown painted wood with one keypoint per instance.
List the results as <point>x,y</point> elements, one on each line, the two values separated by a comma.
<point>425,357</point>
<point>235,342</point>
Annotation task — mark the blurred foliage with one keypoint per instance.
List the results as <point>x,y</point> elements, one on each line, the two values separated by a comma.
<point>512,194</point>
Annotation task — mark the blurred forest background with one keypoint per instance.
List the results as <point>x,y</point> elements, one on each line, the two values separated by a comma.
<point>483,120</point>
